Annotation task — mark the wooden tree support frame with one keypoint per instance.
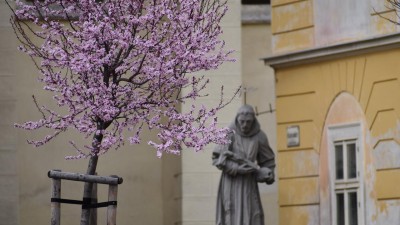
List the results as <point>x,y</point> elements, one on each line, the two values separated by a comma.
<point>87,203</point>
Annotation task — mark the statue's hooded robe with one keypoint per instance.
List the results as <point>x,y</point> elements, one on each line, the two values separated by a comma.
<point>238,201</point>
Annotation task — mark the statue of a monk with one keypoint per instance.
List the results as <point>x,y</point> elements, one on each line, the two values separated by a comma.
<point>247,160</point>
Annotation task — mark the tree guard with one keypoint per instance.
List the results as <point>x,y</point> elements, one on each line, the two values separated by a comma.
<point>89,204</point>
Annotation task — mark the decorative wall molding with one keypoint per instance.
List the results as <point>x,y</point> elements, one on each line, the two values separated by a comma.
<point>380,43</point>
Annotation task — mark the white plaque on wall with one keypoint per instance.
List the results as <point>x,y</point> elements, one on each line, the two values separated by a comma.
<point>293,136</point>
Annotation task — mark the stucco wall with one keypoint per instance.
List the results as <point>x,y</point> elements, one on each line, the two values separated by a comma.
<point>260,83</point>
<point>304,24</point>
<point>304,96</point>
<point>8,139</point>
<point>306,92</point>
<point>292,25</point>
<point>199,178</point>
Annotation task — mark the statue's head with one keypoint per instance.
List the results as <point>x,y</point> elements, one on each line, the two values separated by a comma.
<point>245,118</point>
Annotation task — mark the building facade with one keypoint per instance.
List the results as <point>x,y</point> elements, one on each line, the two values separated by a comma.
<point>337,99</point>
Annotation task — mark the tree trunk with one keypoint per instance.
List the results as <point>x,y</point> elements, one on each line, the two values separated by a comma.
<point>87,190</point>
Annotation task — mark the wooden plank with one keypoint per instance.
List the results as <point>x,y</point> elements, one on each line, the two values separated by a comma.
<point>85,178</point>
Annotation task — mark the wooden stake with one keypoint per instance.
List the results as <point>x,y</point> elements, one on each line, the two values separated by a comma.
<point>87,189</point>
<point>112,209</point>
<point>93,212</point>
<point>55,206</point>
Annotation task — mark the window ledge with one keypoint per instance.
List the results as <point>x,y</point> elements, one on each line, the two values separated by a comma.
<point>380,43</point>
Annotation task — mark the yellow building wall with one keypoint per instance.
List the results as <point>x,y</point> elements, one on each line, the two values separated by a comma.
<point>303,24</point>
<point>304,95</point>
<point>292,25</point>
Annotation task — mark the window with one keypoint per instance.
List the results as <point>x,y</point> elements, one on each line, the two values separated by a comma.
<point>346,174</point>
<point>255,2</point>
<point>346,182</point>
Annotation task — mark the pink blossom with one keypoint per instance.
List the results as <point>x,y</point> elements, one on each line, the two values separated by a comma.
<point>121,64</point>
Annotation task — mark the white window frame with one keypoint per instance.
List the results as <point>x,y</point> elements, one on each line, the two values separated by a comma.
<point>346,133</point>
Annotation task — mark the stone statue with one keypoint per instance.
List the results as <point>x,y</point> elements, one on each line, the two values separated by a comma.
<point>248,159</point>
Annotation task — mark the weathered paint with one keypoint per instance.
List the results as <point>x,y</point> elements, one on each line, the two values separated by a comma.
<point>388,212</point>
<point>340,21</point>
<point>380,24</point>
<point>292,166</point>
<point>304,96</point>
<point>387,154</point>
<point>371,79</point>
<point>299,215</point>
<point>383,103</point>
<point>292,25</point>
<point>303,24</point>
<point>299,191</point>
<point>363,89</point>
<point>294,40</point>
<point>295,16</point>
<point>380,11</point>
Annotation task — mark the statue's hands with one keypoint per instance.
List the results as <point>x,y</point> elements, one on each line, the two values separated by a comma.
<point>230,168</point>
<point>271,179</point>
<point>227,161</point>
<point>265,174</point>
<point>227,154</point>
<point>245,169</point>
<point>220,160</point>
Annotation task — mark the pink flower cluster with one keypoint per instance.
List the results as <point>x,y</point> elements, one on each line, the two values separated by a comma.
<point>121,65</point>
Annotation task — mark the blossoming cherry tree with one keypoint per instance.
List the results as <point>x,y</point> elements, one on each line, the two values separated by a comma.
<point>116,67</point>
